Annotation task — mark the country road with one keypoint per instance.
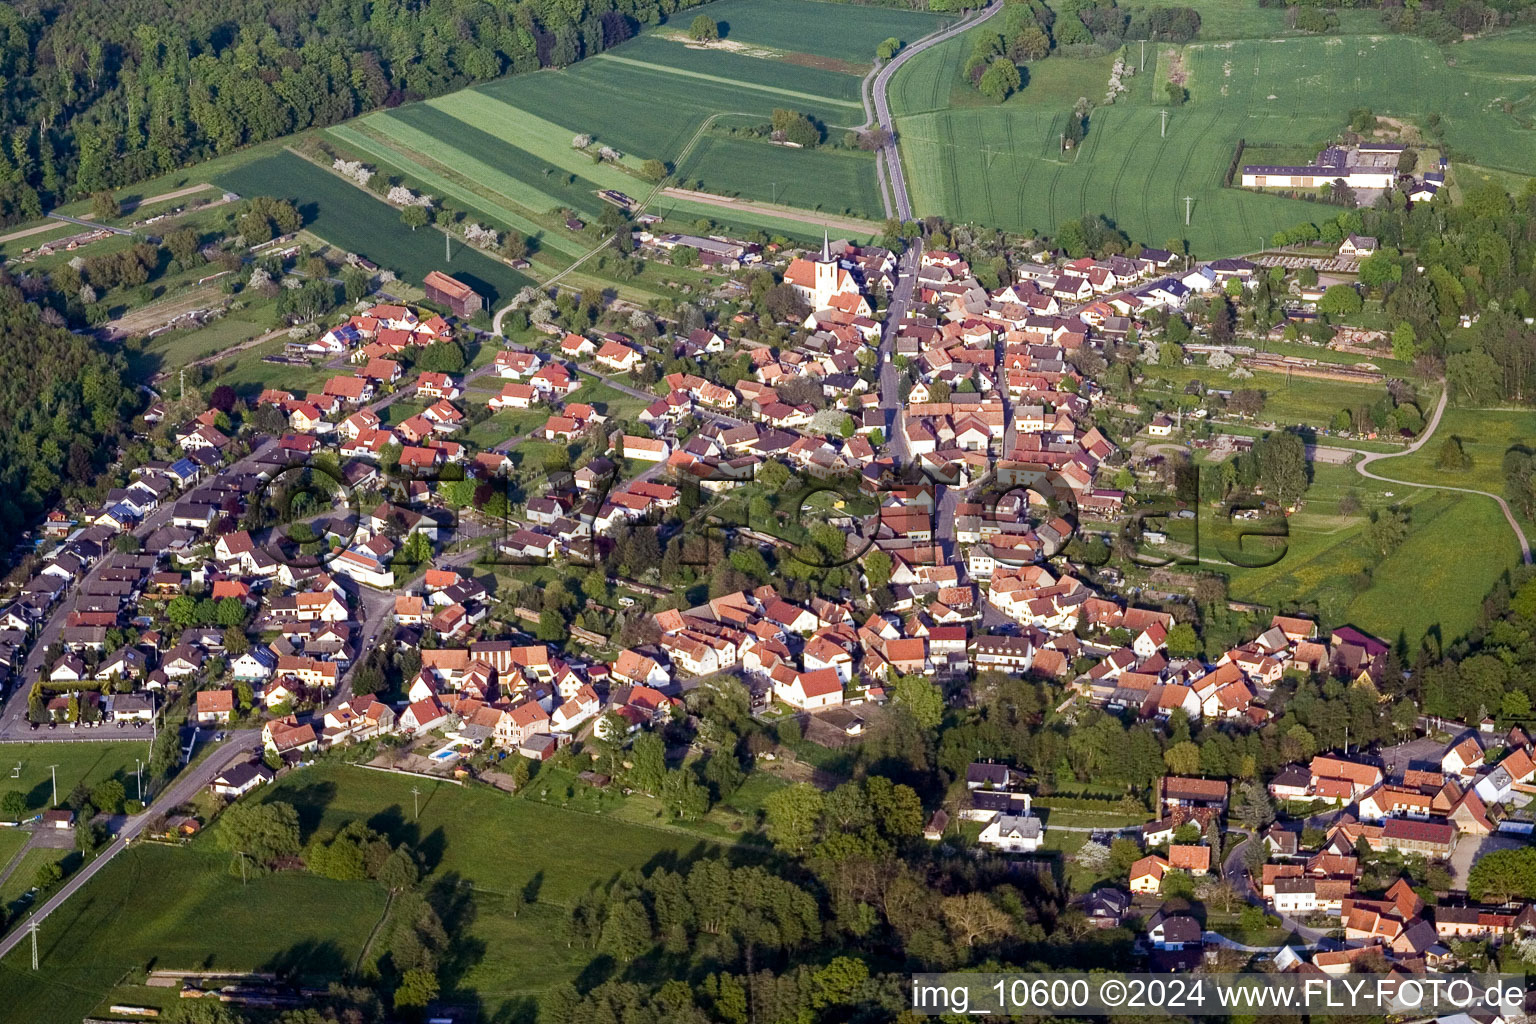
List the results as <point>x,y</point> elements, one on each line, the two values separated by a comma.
<point>890,154</point>
<point>1428,432</point>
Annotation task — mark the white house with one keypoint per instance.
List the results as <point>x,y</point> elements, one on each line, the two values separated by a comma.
<point>1014,833</point>
<point>810,690</point>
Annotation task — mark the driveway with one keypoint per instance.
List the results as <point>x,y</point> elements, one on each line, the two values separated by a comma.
<point>1470,848</point>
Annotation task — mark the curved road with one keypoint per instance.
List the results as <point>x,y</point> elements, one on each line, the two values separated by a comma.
<point>1434,421</point>
<point>1236,874</point>
<point>882,80</point>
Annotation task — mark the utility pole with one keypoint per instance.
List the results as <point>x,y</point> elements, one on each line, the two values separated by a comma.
<point>32,929</point>
<point>1063,142</point>
<point>138,777</point>
<point>1165,123</point>
<point>1188,205</point>
<point>54,771</point>
<point>416,803</point>
<point>183,378</point>
<point>447,248</point>
<point>1143,55</point>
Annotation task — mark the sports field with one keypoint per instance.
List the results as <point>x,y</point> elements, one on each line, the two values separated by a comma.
<point>345,215</point>
<point>1002,164</point>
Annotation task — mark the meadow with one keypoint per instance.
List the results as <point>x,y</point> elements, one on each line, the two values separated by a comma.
<point>1001,164</point>
<point>351,218</point>
<point>1485,435</point>
<point>1325,564</point>
<point>185,908</point>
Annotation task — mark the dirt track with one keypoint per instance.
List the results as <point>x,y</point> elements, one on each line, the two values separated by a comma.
<point>850,225</point>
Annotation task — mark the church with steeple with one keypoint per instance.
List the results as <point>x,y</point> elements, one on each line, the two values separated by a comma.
<point>820,281</point>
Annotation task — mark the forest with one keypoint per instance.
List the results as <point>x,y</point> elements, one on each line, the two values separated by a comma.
<point>63,408</point>
<point>101,93</point>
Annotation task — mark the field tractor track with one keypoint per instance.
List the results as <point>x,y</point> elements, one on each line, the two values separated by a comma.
<point>1114,187</point>
<point>1018,193</point>
<point>1146,208</point>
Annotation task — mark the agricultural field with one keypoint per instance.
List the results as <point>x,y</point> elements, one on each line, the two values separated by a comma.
<point>198,911</point>
<point>742,167</point>
<point>1002,165</point>
<point>835,30</point>
<point>350,218</point>
<point>503,150</point>
<point>1326,564</point>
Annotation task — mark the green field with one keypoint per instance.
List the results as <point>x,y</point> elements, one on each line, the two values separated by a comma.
<point>1001,164</point>
<point>1324,556</point>
<point>748,167</point>
<point>184,908</point>
<point>347,216</point>
<point>843,31</point>
<point>1288,401</point>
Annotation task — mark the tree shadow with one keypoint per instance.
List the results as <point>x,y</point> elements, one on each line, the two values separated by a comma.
<point>454,900</point>
<point>533,887</point>
<point>520,1010</point>
<point>312,959</point>
<point>598,970</point>
<point>391,823</point>
<point>430,850</point>
<point>310,802</point>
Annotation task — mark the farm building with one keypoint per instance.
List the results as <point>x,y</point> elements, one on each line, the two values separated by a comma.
<point>457,296</point>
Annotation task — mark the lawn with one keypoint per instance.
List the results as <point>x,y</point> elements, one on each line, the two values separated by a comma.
<point>1002,164</point>
<point>25,767</point>
<point>15,888</point>
<point>503,425</point>
<point>348,217</point>
<point>195,912</point>
<point>183,908</point>
<point>246,371</point>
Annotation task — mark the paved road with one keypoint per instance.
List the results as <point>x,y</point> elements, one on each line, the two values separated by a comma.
<point>240,745</point>
<point>1235,873</point>
<point>1434,421</point>
<point>890,154</point>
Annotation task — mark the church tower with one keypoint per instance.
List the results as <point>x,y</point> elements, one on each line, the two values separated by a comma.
<point>826,275</point>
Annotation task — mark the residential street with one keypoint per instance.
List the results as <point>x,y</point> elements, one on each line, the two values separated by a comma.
<point>13,724</point>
